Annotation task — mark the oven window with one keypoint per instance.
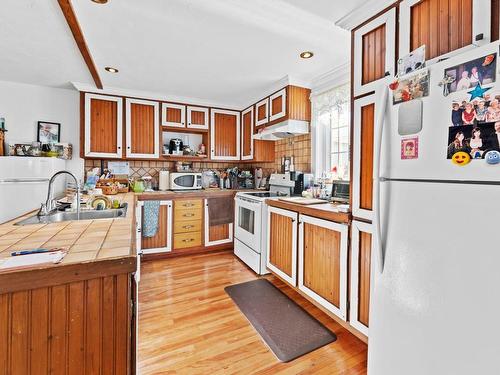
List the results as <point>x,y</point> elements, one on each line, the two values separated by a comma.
<point>246,219</point>
<point>185,181</point>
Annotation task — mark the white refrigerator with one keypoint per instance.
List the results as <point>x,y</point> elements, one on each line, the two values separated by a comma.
<point>24,183</point>
<point>435,307</point>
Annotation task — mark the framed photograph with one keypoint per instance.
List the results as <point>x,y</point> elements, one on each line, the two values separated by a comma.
<point>48,132</point>
<point>412,86</point>
<point>467,75</point>
<point>409,148</point>
<point>413,61</point>
<point>475,140</point>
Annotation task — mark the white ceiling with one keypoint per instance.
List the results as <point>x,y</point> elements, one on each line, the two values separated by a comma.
<point>220,51</point>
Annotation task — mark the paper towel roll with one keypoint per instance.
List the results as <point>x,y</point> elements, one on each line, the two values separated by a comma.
<point>164,183</point>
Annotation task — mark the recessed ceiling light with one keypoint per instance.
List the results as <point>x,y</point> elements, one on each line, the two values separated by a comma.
<point>306,55</point>
<point>111,70</point>
<point>100,1</point>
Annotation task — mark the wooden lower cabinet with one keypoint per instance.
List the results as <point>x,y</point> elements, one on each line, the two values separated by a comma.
<point>282,244</point>
<point>217,234</point>
<point>81,327</point>
<point>361,277</point>
<point>323,263</point>
<point>162,241</point>
<point>188,223</point>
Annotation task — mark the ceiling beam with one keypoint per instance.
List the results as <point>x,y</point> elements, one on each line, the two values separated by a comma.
<point>73,24</point>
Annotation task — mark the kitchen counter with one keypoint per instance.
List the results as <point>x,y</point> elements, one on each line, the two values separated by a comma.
<point>327,211</point>
<point>94,247</point>
<point>189,194</point>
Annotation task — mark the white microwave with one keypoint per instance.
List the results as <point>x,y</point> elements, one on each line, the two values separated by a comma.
<point>185,181</point>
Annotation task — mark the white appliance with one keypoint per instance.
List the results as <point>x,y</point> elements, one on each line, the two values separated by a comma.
<point>286,129</point>
<point>185,181</point>
<point>435,302</point>
<point>24,182</point>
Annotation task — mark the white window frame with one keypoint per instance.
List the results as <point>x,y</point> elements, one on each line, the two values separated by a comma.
<point>190,109</point>
<point>357,227</point>
<point>343,229</point>
<point>389,19</point>
<point>128,128</point>
<point>281,113</point>
<point>139,249</point>
<point>119,126</point>
<point>212,134</point>
<point>292,280</point>
<point>164,122</point>
<point>248,110</point>
<point>481,24</point>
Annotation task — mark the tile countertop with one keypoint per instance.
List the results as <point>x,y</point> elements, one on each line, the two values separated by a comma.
<point>87,241</point>
<point>186,194</point>
<point>327,211</point>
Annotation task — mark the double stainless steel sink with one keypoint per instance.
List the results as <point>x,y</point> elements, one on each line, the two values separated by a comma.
<point>59,216</point>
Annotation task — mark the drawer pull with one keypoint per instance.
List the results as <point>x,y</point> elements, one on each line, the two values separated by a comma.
<point>188,215</point>
<point>188,240</point>
<point>188,226</point>
<point>188,205</point>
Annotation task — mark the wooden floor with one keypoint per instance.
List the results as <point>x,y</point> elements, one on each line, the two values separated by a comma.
<point>189,325</point>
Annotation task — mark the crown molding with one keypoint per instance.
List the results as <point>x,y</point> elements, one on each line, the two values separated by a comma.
<point>338,76</point>
<point>359,15</point>
<point>154,96</point>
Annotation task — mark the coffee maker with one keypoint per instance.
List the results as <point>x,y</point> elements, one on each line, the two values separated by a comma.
<point>303,181</point>
<point>176,146</point>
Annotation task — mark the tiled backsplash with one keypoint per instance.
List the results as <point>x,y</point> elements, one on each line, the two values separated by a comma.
<point>299,147</point>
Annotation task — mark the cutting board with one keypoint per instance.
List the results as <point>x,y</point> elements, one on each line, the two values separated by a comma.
<point>301,200</point>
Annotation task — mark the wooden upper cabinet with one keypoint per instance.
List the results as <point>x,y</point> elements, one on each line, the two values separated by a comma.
<point>443,26</point>
<point>142,128</point>
<point>162,241</point>
<point>246,134</point>
<point>277,105</point>
<point>374,52</point>
<point>173,115</point>
<point>103,126</point>
<point>197,117</point>
<point>262,112</point>
<point>323,263</point>
<point>361,275</point>
<point>225,135</point>
<point>363,157</point>
<point>282,244</point>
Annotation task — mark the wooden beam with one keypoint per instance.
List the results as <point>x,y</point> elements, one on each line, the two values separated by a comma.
<point>73,24</point>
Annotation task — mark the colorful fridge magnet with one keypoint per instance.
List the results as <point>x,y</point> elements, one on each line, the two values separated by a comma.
<point>409,148</point>
<point>460,158</point>
<point>478,92</point>
<point>445,84</point>
<point>492,157</point>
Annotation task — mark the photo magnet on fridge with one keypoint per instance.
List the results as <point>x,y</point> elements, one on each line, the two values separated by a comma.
<point>468,75</point>
<point>413,86</point>
<point>413,61</point>
<point>409,148</point>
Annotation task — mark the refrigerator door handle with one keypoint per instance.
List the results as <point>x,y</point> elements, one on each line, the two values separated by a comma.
<point>380,109</point>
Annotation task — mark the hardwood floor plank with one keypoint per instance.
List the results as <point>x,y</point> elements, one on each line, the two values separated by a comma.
<point>189,325</point>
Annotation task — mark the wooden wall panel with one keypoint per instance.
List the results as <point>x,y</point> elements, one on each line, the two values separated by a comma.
<point>261,112</point>
<point>160,239</point>
<point>103,131</point>
<point>225,135</point>
<point>246,134</point>
<point>373,55</point>
<point>263,151</point>
<point>276,105</point>
<point>76,328</point>
<point>218,232</point>
<point>366,157</point>
<point>495,19</point>
<point>365,246</point>
<point>281,242</point>
<point>442,25</point>
<point>142,128</point>
<point>174,115</point>
<point>298,103</point>
<point>322,262</point>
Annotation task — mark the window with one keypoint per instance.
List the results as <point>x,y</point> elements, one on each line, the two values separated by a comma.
<point>331,124</point>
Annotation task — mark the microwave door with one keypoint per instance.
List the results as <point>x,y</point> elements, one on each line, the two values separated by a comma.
<point>187,181</point>
<point>248,223</point>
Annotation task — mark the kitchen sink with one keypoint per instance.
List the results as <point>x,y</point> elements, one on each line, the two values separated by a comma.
<point>57,217</point>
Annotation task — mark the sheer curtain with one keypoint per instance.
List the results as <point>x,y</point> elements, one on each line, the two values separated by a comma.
<point>330,132</point>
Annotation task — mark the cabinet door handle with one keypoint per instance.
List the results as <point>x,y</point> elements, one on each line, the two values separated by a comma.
<point>188,215</point>
<point>188,226</point>
<point>188,240</point>
<point>188,205</point>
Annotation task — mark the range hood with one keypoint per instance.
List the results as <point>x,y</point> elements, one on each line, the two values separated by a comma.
<point>285,129</point>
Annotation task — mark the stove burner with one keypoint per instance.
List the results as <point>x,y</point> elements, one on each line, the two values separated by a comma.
<point>262,195</point>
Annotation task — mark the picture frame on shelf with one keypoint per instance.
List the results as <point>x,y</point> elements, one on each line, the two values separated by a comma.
<point>48,132</point>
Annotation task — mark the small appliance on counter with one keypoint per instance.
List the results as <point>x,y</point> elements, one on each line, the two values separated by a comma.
<point>280,184</point>
<point>176,146</point>
<point>258,178</point>
<point>340,191</point>
<point>164,180</point>
<point>185,181</point>
<point>303,181</point>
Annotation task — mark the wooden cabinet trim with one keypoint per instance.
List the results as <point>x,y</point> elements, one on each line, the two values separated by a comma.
<point>281,97</point>
<point>128,128</point>
<point>219,240</point>
<point>389,20</point>
<point>139,238</point>
<point>213,132</point>
<point>343,229</point>
<point>190,110</point>
<point>264,103</point>
<point>245,137</point>
<point>164,119</point>
<point>88,124</point>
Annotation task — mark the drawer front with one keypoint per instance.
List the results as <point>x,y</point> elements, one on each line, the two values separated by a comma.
<point>188,204</point>
<point>188,215</point>
<point>187,226</point>
<point>185,240</point>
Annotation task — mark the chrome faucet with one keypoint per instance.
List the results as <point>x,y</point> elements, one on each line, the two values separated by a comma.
<point>50,205</point>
